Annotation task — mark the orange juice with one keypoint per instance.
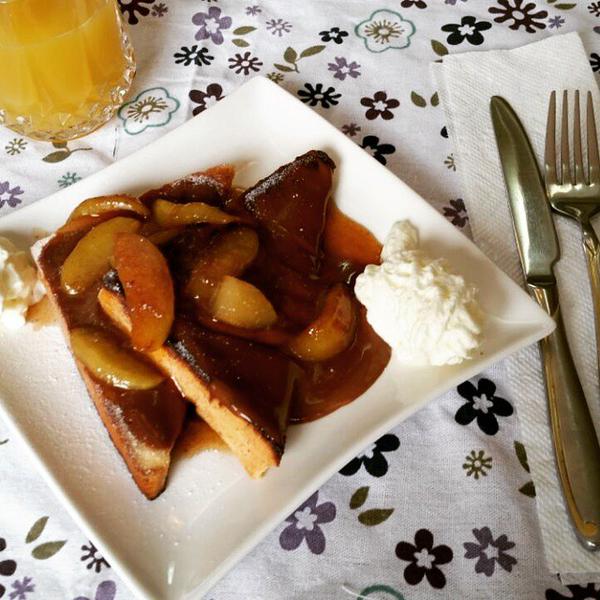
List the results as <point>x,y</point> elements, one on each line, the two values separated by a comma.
<point>65,66</point>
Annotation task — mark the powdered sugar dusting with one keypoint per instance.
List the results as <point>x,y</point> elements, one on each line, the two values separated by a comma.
<point>278,176</point>
<point>265,184</point>
<point>200,179</point>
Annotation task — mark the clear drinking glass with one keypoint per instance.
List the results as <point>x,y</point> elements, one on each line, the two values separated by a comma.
<point>65,66</point>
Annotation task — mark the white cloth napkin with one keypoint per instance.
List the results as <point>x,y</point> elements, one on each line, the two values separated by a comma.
<point>525,77</point>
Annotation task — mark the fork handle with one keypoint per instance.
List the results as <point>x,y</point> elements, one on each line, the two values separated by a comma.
<point>576,445</point>
<point>591,247</point>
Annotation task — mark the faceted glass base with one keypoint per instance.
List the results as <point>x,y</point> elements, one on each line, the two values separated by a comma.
<point>92,112</point>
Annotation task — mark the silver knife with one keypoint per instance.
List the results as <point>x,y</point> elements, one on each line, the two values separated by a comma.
<point>575,441</point>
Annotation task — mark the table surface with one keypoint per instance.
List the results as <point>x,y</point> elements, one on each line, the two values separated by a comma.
<point>443,506</point>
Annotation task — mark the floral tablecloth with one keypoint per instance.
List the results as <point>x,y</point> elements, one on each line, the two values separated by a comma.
<point>441,507</point>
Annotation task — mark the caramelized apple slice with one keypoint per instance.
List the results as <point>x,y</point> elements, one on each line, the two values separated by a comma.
<point>90,258</point>
<point>241,304</point>
<point>109,204</point>
<point>332,331</point>
<point>229,253</point>
<point>158,238</point>
<point>108,361</point>
<point>79,223</point>
<point>148,288</point>
<point>169,214</point>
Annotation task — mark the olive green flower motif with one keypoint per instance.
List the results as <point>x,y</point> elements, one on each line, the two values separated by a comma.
<point>385,29</point>
<point>150,108</point>
<point>477,464</point>
<point>15,146</point>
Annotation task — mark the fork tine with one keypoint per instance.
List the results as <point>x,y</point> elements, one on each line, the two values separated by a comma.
<point>565,169</point>
<point>550,153</point>
<point>577,154</point>
<point>592,143</point>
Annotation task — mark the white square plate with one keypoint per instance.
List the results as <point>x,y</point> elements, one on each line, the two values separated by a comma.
<point>189,538</point>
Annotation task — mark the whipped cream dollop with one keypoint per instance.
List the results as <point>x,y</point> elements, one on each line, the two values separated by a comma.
<point>19,285</point>
<point>427,313</point>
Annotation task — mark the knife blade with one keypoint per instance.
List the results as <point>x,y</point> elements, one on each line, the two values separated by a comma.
<point>576,446</point>
<point>531,214</point>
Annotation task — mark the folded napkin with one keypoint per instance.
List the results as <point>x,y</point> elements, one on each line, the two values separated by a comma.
<point>525,77</point>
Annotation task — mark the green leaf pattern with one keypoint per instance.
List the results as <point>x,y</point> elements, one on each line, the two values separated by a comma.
<point>36,530</point>
<point>359,497</point>
<point>375,516</point>
<point>292,57</point>
<point>47,550</point>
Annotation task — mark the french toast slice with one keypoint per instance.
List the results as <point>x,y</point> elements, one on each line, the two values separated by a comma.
<point>142,424</point>
<point>241,389</point>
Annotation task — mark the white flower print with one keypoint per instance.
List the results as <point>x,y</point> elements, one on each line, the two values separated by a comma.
<point>385,29</point>
<point>150,108</point>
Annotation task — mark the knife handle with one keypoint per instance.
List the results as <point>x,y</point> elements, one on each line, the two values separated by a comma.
<point>575,441</point>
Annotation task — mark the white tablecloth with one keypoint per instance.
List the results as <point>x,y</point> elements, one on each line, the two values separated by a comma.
<point>444,505</point>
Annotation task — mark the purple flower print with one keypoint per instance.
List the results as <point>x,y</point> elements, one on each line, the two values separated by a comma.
<point>304,525</point>
<point>351,129</point>
<point>211,24</point>
<point>342,68</point>
<point>107,590</point>
<point>555,22</point>
<point>453,2</point>
<point>9,195</point>
<point>21,588</point>
<point>278,27</point>
<point>489,551</point>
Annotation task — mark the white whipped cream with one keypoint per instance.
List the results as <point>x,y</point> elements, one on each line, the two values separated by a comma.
<point>425,312</point>
<point>19,285</point>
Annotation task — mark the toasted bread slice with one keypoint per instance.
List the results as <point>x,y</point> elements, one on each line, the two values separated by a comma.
<point>143,425</point>
<point>245,402</point>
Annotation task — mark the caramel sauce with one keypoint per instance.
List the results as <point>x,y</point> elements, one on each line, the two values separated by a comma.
<point>348,240</point>
<point>329,385</point>
<point>197,437</point>
<point>42,314</point>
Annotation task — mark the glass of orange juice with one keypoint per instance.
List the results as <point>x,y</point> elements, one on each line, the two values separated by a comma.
<point>65,66</point>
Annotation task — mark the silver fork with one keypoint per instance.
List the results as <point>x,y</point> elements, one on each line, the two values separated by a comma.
<point>577,194</point>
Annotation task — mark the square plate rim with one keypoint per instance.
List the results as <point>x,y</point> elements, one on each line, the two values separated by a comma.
<point>136,584</point>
